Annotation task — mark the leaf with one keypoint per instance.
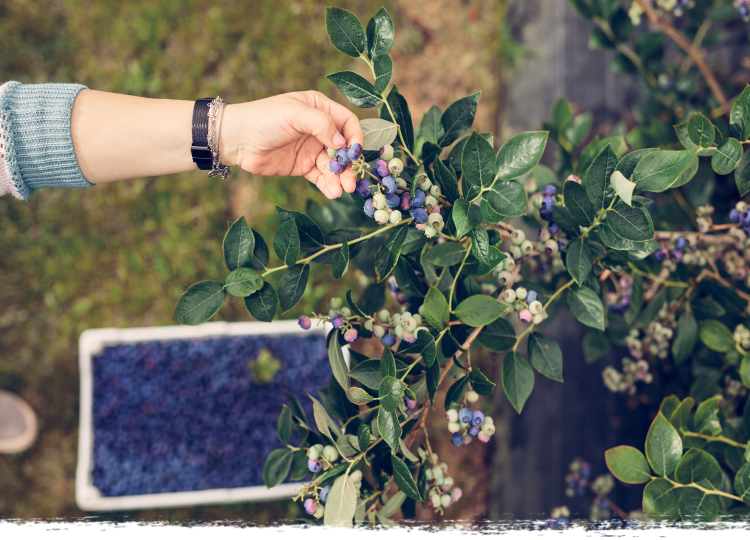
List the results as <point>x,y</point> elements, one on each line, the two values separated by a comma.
<point>383,67</point>
<point>498,336</point>
<point>479,310</point>
<point>745,370</point>
<point>368,373</point>
<point>341,262</point>
<point>630,223</point>
<point>659,170</point>
<point>578,204</point>
<point>545,355</point>
<point>629,162</point>
<point>578,260</point>
<point>597,180</point>
<point>380,34</point>
<point>623,187</point>
<point>446,178</point>
<point>377,133</point>
<point>742,483</point>
<point>277,466</point>
<point>389,428</point>
<point>628,465</point>
<point>478,161</point>
<point>345,31</point>
<point>595,346</point>
<point>341,503</point>
<point>310,236</point>
<point>660,496</point>
<point>742,174</point>
<point>286,243</point>
<point>562,114</point>
<point>686,335</point>
<point>394,503</point>
<point>518,380</point>
<point>401,115</point>
<point>199,303</point>
<point>456,393</point>
<point>696,466</point>
<point>425,346</point>
<point>727,156</point>
<point>480,248</point>
<point>284,425</point>
<point>504,199</point>
<point>243,282</point>
<point>387,364</point>
<point>701,130</point>
<point>358,396</point>
<point>706,419</point>
<point>445,254</point>
<point>299,467</point>
<point>716,336</point>
<point>261,255</point>
<point>480,383</point>
<point>586,307</point>
<point>238,245</point>
<point>388,254</point>
<point>436,309</point>
<point>520,154</point>
<point>663,446</point>
<point>457,119</point>
<point>465,216</point>
<point>739,117</point>
<point>681,415</point>
<point>338,364</point>
<point>292,286</point>
<point>358,90</point>
<point>390,391</point>
<point>694,505</point>
<point>363,435</point>
<point>262,304</point>
<point>404,480</point>
<point>431,128</point>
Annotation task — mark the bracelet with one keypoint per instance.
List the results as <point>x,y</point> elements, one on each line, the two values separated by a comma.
<point>200,150</point>
<point>213,139</point>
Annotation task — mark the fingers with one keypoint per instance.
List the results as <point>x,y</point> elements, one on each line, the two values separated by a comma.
<point>345,120</point>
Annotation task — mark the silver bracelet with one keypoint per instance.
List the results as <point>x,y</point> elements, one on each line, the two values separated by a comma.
<point>213,138</point>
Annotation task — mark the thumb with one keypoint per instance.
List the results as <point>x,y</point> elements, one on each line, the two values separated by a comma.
<point>320,125</point>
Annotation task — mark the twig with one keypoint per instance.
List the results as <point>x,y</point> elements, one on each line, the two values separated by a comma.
<point>617,510</point>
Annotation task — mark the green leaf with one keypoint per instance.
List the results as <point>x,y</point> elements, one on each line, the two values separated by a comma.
<point>286,242</point>
<point>742,174</point>
<point>404,480</point>
<point>390,391</point>
<point>387,363</point>
<point>243,282</point>
<point>358,90</point>
<point>562,114</point>
<point>436,309</point>
<point>299,467</point>
<point>377,133</point>
<point>597,180</point>
<point>578,260</point>
<point>407,279</point>
<point>706,419</point>
<point>739,118</point>
<point>341,262</point>
<point>363,435</point>
<point>401,115</point>
<point>345,31</point>
<point>480,383</point>
<point>479,310</point>
<point>446,178</point>
<point>595,346</point>
<point>658,171</point>
<point>663,446</point>
<point>686,335</point>
<point>456,392</point>
<point>742,483</point>
<point>701,130</point>
<point>338,364</point>
<point>578,204</point>
<point>478,160</point>
<point>660,496</point>
<point>629,162</point>
<point>498,336</point>
<point>519,155</point>
<point>582,8</point>
<point>630,223</point>
<point>727,156</point>
<point>490,261</point>
<point>389,428</point>
<point>518,380</point>
<point>238,245</point>
<point>599,40</point>
<point>745,370</point>
<point>425,346</point>
<point>262,304</point>
<point>310,236</point>
<point>431,128</point>
<point>368,373</point>
<point>623,187</point>
<point>504,199</point>
<point>716,336</point>
<point>465,216</point>
<point>694,505</point>
<point>380,33</point>
<point>284,425</point>
<point>586,307</point>
<point>696,466</point>
<point>394,503</point>
<point>628,465</point>
<point>261,255</point>
<point>457,119</point>
<point>199,303</point>
<point>292,286</point>
<point>341,503</point>
<point>277,466</point>
<point>383,70</point>
<point>358,396</point>
<point>388,254</point>
<point>445,254</point>
<point>681,415</point>
<point>579,128</point>
<point>545,355</point>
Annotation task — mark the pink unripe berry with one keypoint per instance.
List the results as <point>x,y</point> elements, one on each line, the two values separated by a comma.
<point>525,316</point>
<point>350,335</point>
<point>310,506</point>
<point>456,494</point>
<point>483,437</point>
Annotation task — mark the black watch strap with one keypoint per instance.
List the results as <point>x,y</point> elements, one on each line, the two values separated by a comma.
<point>200,150</point>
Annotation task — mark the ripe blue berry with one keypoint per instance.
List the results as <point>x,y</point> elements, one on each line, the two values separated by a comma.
<point>474,431</point>
<point>381,168</point>
<point>337,321</point>
<point>553,228</point>
<point>336,167</point>
<point>393,201</point>
<point>389,185</point>
<point>548,203</point>
<point>465,415</point>
<point>660,254</point>
<point>419,214</point>
<point>324,493</point>
<point>342,156</point>
<point>477,418</point>
<point>549,191</point>
<point>354,151</point>
<point>680,243</point>
<point>531,296</point>
<point>388,340</point>
<point>369,208</point>
<point>304,322</point>
<point>418,199</point>
<point>734,215</point>
<point>545,215</point>
<point>457,439</point>
<point>406,201</point>
<point>363,188</point>
<point>745,218</point>
<point>313,465</point>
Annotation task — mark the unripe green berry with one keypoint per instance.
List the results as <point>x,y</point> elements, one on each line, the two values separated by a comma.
<point>437,472</point>
<point>356,476</point>
<point>509,264</point>
<point>320,511</point>
<point>345,312</point>
<point>521,293</point>
<point>399,331</point>
<point>448,483</point>
<point>386,153</point>
<point>425,185</point>
<point>429,232</point>
<point>314,452</point>
<point>428,474</point>
<point>430,201</point>
<point>535,307</point>
<point>331,153</point>
<point>509,296</point>
<point>435,500</point>
<point>488,420</point>
<point>417,317</point>
<point>395,166</point>
<point>336,302</point>
<point>396,319</point>
<point>527,247</point>
<point>537,318</point>
<point>505,278</point>
<point>472,396</point>
<point>454,427</point>
<point>516,252</point>
<point>369,324</point>
<point>410,324</point>
<point>435,191</point>
<point>445,499</point>
<point>378,201</point>
<point>395,217</point>
<point>384,315</point>
<point>517,236</point>
<point>379,331</point>
<point>488,429</point>
<point>451,415</point>
<point>330,453</point>
<point>439,481</point>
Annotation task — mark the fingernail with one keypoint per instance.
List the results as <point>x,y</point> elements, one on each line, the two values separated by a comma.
<point>339,140</point>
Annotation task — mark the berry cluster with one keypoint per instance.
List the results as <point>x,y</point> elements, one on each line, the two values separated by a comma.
<point>744,8</point>
<point>704,221</point>
<point>603,484</point>
<point>399,325</point>
<point>742,336</point>
<point>632,372</point>
<point>338,316</point>
<point>547,206</point>
<point>526,303</point>
<point>439,490</point>
<point>577,478</point>
<point>465,424</point>
<point>675,7</point>
<point>342,157</point>
<point>320,457</point>
<point>560,518</point>
<point>658,334</point>
<point>315,505</point>
<point>619,301</point>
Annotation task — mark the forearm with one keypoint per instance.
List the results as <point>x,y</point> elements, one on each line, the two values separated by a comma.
<point>117,136</point>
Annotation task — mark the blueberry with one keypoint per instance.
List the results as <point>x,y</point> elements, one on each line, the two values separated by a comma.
<point>354,151</point>
<point>324,493</point>
<point>548,203</point>
<point>351,335</point>
<point>313,466</point>
<point>680,243</point>
<point>531,296</point>
<point>381,216</point>
<point>389,185</point>
<point>388,340</point>
<point>393,201</point>
<point>734,215</point>
<point>381,168</point>
<point>457,439</point>
<point>474,431</point>
<point>553,228</point>
<point>659,255</point>
<point>336,167</point>
<point>549,191</point>
<point>310,506</point>
<point>545,214</point>
<point>525,316</point>
<point>304,322</point>
<point>337,321</point>
<point>369,208</point>
<point>363,188</point>
<point>342,156</point>
<point>477,418</point>
<point>386,152</point>
<point>465,415</point>
<point>418,199</point>
<point>745,218</point>
<point>419,214</point>
<point>406,201</point>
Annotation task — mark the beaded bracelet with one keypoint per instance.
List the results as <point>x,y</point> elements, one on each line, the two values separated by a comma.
<point>214,130</point>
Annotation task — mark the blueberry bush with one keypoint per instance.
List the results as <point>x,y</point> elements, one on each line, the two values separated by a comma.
<point>432,208</point>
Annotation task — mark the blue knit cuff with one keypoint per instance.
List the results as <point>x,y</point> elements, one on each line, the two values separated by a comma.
<point>39,150</point>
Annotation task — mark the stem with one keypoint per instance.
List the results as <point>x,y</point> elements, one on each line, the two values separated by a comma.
<point>718,438</point>
<point>696,486</point>
<point>361,413</point>
<point>455,279</point>
<point>657,278</point>
<point>616,509</point>
<point>557,293</point>
<point>697,42</point>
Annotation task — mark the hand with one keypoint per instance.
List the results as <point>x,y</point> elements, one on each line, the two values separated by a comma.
<point>287,135</point>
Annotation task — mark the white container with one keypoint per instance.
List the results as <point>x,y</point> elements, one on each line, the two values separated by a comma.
<point>92,342</point>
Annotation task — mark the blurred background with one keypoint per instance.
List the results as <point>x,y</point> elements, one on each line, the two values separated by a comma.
<point>119,255</point>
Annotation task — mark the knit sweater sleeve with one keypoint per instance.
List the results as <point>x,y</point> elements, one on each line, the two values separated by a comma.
<point>36,146</point>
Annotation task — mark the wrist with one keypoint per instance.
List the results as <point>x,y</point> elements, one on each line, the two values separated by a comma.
<point>229,136</point>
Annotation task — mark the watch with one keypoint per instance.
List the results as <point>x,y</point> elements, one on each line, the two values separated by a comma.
<point>200,150</point>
